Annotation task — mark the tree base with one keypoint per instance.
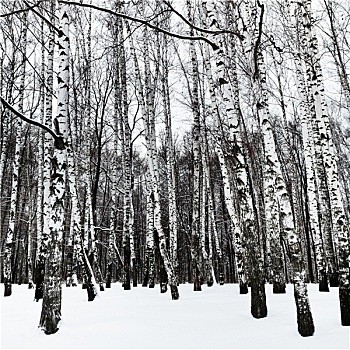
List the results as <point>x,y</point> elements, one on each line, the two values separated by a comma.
<point>306,326</point>
<point>126,285</point>
<point>30,285</point>
<point>344,299</point>
<point>163,288</point>
<point>39,292</point>
<point>279,288</point>
<point>49,321</point>
<point>258,306</point>
<point>243,288</point>
<point>102,288</point>
<point>174,292</point>
<point>84,286</point>
<point>334,279</point>
<point>196,283</point>
<point>8,289</point>
<point>322,283</point>
<point>151,285</point>
<point>91,292</point>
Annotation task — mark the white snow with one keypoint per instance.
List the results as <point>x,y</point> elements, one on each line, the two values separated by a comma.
<point>216,318</point>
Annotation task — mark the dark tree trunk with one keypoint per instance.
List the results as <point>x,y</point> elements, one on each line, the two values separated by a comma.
<point>279,287</point>
<point>134,273</point>
<point>334,279</point>
<point>196,283</point>
<point>39,280</point>
<point>243,287</point>
<point>127,282</point>
<point>109,276</point>
<point>258,297</point>
<point>322,283</point>
<point>304,317</point>
<point>344,299</point>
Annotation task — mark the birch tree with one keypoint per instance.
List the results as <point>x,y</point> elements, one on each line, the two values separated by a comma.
<point>255,60</point>
<point>8,268</point>
<point>322,137</point>
<point>51,307</point>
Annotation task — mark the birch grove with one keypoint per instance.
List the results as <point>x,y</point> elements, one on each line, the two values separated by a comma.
<point>160,143</point>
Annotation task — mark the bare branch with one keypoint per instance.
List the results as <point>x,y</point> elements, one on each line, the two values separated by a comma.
<point>49,23</point>
<point>29,121</point>
<point>139,20</point>
<point>22,10</point>
<point>203,30</point>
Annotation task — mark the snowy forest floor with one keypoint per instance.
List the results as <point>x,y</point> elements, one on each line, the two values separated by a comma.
<point>216,318</point>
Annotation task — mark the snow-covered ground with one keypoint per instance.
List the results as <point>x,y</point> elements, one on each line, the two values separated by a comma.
<point>216,318</point>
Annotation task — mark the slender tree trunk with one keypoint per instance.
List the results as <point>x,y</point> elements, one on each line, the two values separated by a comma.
<point>43,240</point>
<point>195,252</point>
<point>51,307</point>
<point>147,108</point>
<point>309,151</point>
<point>10,236</point>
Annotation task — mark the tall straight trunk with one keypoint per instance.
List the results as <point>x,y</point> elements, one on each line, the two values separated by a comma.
<point>170,156</point>
<point>43,240</point>
<point>78,255</point>
<point>195,251</point>
<point>309,151</point>
<point>148,112</point>
<point>205,215</point>
<point>10,235</point>
<point>149,267</point>
<point>211,209</point>
<point>241,214</point>
<point>255,60</point>
<point>338,219</point>
<point>112,253</point>
<point>325,158</point>
<point>128,234</point>
<point>51,306</point>
<point>40,208</point>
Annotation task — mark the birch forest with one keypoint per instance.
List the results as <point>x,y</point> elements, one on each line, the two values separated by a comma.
<point>161,142</point>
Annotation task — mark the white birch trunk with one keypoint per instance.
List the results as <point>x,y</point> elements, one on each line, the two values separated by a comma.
<point>149,259</point>
<point>309,152</point>
<point>10,236</point>
<point>338,221</point>
<point>51,307</point>
<point>147,111</point>
<point>222,100</point>
<point>43,239</point>
<point>170,160</point>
